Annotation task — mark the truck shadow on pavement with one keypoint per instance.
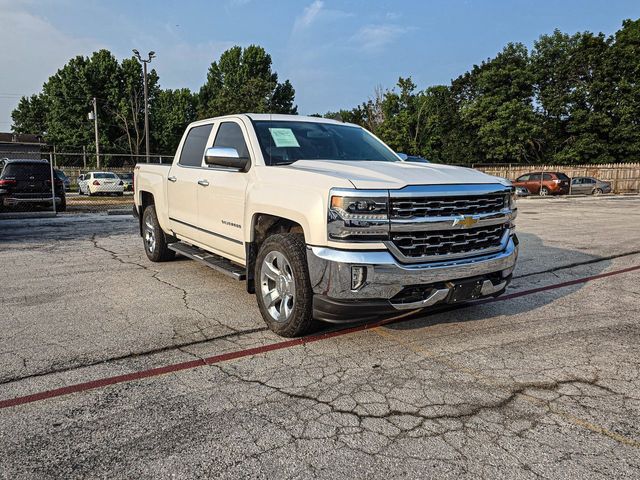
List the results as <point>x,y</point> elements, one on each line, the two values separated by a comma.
<point>539,265</point>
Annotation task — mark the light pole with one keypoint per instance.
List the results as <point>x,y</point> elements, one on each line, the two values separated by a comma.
<point>94,116</point>
<point>146,99</point>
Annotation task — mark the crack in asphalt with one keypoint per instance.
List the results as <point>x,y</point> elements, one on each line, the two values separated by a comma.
<point>578,264</point>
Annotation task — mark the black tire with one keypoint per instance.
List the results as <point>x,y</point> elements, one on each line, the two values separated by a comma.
<point>156,247</point>
<point>80,190</point>
<point>597,191</point>
<point>120,194</point>
<point>89,194</point>
<point>63,204</point>
<point>300,318</point>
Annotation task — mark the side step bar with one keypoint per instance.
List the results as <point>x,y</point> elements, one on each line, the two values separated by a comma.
<point>216,262</point>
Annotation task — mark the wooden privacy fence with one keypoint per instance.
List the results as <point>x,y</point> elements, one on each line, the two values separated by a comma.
<point>624,177</point>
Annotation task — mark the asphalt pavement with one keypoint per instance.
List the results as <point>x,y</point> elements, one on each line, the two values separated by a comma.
<point>112,366</point>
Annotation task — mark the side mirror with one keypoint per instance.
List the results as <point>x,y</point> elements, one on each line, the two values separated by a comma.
<point>225,157</point>
<point>403,156</point>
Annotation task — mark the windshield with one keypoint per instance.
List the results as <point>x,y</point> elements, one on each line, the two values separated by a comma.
<point>284,142</point>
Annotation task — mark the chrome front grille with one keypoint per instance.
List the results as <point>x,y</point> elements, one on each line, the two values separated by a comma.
<point>446,206</point>
<point>431,223</point>
<point>450,243</point>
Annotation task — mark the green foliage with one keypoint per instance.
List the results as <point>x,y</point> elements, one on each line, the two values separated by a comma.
<point>172,111</point>
<point>573,99</point>
<point>242,81</point>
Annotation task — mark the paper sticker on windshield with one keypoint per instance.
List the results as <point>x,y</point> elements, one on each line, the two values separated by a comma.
<point>283,137</point>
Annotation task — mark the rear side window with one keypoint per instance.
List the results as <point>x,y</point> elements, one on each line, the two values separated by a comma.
<point>230,135</point>
<point>547,176</point>
<point>193,148</point>
<point>23,171</point>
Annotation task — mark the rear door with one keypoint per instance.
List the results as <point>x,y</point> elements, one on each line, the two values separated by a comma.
<point>182,182</point>
<point>221,194</point>
<point>533,184</point>
<point>578,185</point>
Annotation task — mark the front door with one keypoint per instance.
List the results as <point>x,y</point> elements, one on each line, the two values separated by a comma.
<point>182,182</point>
<point>221,195</point>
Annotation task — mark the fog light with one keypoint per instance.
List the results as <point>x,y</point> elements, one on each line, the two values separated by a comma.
<point>358,276</point>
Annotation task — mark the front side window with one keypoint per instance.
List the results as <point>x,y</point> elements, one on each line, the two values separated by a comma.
<point>535,177</point>
<point>523,178</point>
<point>193,148</point>
<point>230,135</point>
<point>285,142</point>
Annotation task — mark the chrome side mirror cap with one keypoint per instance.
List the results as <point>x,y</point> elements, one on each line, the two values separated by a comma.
<point>225,157</point>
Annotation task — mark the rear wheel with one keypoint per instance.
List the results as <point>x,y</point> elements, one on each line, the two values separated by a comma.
<point>63,204</point>
<point>283,287</point>
<point>155,240</point>
<point>544,191</point>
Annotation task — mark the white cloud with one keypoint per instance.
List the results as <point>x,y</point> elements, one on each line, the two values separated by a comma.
<point>310,13</point>
<point>32,50</point>
<point>375,37</point>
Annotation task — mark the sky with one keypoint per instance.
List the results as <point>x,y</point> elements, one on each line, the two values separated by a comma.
<point>334,52</point>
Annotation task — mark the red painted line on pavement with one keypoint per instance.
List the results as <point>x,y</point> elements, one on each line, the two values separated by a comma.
<point>176,367</point>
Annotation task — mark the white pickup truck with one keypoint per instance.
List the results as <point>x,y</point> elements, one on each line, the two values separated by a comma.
<point>323,220</point>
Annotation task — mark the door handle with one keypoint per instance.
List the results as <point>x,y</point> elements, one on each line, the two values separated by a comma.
<point>172,179</point>
<point>204,183</point>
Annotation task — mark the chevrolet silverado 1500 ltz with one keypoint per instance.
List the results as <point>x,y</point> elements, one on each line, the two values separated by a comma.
<point>323,220</point>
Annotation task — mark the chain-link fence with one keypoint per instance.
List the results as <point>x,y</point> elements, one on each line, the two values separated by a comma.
<point>70,182</point>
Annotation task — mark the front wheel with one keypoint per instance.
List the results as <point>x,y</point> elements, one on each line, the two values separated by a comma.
<point>597,191</point>
<point>155,241</point>
<point>283,288</point>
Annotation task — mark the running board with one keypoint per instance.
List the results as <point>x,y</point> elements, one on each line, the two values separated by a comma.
<point>216,262</point>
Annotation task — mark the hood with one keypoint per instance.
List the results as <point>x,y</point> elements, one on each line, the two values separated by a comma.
<point>395,175</point>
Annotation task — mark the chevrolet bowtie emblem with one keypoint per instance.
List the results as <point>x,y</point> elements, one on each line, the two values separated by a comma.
<point>466,222</point>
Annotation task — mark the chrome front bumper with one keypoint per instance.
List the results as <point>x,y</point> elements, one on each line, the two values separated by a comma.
<point>331,274</point>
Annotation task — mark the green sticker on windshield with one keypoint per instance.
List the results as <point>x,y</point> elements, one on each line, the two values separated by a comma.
<point>284,137</point>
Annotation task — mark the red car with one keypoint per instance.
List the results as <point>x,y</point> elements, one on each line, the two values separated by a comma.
<point>544,183</point>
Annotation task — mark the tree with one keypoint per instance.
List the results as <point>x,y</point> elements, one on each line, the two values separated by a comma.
<point>30,115</point>
<point>242,81</point>
<point>572,96</point>
<point>171,112</point>
<point>495,103</point>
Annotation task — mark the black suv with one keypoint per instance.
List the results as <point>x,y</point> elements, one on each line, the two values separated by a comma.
<point>27,183</point>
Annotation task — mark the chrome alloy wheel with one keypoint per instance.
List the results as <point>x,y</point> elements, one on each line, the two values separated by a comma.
<point>149,236</point>
<point>277,286</point>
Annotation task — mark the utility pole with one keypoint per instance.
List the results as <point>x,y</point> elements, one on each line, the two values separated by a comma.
<point>95,126</point>
<point>146,99</point>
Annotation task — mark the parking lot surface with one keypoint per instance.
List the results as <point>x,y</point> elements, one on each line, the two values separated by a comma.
<point>112,366</point>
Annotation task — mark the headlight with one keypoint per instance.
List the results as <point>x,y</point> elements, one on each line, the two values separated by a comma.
<point>358,215</point>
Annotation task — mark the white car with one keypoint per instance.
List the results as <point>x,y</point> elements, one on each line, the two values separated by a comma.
<point>94,183</point>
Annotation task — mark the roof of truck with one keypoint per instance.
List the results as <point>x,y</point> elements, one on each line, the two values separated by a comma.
<point>278,117</point>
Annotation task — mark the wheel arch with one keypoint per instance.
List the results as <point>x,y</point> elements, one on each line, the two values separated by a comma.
<point>146,200</point>
<point>264,225</point>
